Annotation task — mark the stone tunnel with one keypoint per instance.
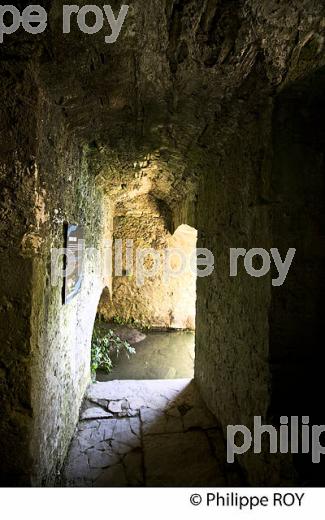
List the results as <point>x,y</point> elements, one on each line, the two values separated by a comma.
<point>208,116</point>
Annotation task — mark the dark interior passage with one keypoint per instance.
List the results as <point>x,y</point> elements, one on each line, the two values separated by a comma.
<point>298,220</point>
<point>202,126</point>
<point>296,315</point>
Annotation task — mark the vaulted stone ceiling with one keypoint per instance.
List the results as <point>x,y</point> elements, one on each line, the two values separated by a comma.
<point>173,66</point>
<point>157,99</point>
<point>151,105</point>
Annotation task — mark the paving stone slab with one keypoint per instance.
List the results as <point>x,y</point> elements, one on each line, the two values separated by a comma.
<point>156,421</point>
<point>102,456</point>
<point>199,417</point>
<point>145,392</point>
<point>158,433</point>
<point>180,459</point>
<point>77,468</point>
<point>112,477</point>
<point>133,467</point>
<point>127,431</point>
<point>95,413</point>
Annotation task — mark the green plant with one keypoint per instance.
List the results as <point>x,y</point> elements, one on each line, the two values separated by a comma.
<point>104,345</point>
<point>119,321</point>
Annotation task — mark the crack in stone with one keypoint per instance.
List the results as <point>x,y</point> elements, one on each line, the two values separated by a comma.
<point>160,439</point>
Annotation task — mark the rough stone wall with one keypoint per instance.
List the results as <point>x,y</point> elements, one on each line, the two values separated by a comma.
<point>61,334</point>
<point>160,298</point>
<point>238,206</point>
<point>296,319</point>
<point>17,185</point>
<point>231,363</point>
<point>45,354</point>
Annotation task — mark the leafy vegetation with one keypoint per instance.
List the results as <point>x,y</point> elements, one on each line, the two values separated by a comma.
<point>105,346</point>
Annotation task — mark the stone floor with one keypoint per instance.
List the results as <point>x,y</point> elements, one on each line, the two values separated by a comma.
<point>147,433</point>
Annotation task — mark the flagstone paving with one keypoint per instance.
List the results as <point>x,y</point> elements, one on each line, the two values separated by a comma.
<point>147,433</point>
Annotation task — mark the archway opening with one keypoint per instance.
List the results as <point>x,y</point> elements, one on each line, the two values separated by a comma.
<point>151,315</point>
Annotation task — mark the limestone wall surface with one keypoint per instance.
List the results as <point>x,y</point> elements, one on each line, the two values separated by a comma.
<point>61,333</point>
<point>156,287</point>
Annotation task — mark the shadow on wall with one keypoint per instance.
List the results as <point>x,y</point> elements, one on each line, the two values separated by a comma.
<point>298,220</point>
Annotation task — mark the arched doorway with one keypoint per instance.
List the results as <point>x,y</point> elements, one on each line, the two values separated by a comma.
<point>154,311</point>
